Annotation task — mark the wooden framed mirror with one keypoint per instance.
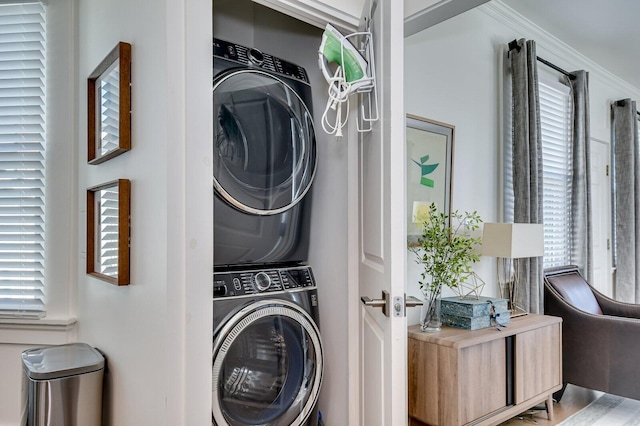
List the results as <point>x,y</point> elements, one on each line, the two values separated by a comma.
<point>109,106</point>
<point>108,231</point>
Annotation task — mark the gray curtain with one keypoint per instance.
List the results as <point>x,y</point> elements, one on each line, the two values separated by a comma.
<point>527,163</point>
<point>581,233</point>
<point>626,201</point>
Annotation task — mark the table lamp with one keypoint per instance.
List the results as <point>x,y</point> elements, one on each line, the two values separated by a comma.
<point>509,241</point>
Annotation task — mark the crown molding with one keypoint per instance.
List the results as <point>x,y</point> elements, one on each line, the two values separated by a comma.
<point>315,12</point>
<point>561,53</point>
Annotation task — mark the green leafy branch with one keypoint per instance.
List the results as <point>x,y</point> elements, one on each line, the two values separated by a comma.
<point>447,249</point>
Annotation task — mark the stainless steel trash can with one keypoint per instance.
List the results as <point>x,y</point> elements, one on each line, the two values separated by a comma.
<point>62,386</point>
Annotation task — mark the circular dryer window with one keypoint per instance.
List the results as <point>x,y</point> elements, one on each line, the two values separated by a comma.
<point>267,366</point>
<point>264,142</point>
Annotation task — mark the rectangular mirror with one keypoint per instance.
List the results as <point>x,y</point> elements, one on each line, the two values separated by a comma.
<point>109,106</point>
<point>108,231</point>
<point>429,170</point>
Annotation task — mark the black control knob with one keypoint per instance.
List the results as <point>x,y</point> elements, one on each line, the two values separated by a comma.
<point>219,290</point>
<point>262,281</point>
<point>256,56</point>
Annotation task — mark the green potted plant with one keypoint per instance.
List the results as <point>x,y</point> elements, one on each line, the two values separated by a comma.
<point>446,250</point>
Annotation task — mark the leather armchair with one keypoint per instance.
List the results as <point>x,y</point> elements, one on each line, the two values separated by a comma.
<point>600,336</point>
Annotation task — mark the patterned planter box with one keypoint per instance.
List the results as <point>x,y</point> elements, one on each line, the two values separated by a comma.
<point>473,314</point>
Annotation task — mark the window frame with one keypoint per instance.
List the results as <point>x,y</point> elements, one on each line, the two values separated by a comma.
<point>22,214</point>
<point>556,82</point>
<point>61,195</point>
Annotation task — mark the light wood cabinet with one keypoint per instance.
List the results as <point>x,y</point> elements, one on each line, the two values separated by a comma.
<point>484,377</point>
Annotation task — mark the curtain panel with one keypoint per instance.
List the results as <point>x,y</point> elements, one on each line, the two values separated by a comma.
<point>527,170</point>
<point>581,227</point>
<point>527,163</point>
<point>626,201</point>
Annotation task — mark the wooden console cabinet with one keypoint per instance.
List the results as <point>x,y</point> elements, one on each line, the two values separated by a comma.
<point>484,377</point>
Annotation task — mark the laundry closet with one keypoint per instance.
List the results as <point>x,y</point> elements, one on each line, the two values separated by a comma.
<point>240,24</point>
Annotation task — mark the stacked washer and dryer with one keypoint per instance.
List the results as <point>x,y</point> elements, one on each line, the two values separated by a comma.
<point>267,352</point>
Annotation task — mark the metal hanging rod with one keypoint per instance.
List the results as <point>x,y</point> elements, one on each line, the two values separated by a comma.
<point>622,102</point>
<point>514,45</point>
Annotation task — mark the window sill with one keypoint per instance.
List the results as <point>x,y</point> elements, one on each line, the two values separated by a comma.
<point>37,331</point>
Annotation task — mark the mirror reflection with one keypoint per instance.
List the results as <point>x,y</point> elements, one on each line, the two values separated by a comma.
<point>108,231</point>
<point>109,106</point>
<point>108,98</point>
<point>106,238</point>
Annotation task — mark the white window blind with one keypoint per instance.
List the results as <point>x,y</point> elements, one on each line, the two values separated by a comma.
<point>22,153</point>
<point>555,123</point>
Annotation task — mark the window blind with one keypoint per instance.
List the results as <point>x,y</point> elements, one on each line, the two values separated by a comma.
<point>555,123</point>
<point>555,126</point>
<point>22,154</point>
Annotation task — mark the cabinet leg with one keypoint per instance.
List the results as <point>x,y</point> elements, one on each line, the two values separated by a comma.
<point>549,404</point>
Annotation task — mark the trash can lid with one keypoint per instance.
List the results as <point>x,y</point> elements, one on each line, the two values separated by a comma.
<point>54,362</point>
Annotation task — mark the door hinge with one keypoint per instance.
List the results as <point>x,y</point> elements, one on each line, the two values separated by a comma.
<point>607,169</point>
<point>608,244</point>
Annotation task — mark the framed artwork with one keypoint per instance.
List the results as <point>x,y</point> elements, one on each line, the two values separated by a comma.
<point>108,231</point>
<point>109,106</point>
<point>429,170</point>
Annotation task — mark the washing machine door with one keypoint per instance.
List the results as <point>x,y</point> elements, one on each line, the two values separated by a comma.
<point>264,142</point>
<point>267,366</point>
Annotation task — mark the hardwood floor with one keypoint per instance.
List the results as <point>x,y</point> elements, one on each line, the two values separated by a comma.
<point>575,398</point>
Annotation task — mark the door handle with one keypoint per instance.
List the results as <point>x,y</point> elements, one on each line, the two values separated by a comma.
<point>398,307</point>
<point>412,302</point>
<point>383,303</point>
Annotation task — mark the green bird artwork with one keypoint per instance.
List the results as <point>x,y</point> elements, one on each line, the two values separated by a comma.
<point>426,169</point>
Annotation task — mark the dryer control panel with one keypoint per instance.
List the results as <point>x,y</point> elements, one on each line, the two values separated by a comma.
<point>249,282</point>
<point>253,57</point>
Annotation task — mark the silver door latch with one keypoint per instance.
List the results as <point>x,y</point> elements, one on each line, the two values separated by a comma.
<point>383,303</point>
<point>398,306</point>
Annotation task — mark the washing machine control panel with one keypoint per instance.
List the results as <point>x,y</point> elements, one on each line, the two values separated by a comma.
<point>254,57</point>
<point>249,282</point>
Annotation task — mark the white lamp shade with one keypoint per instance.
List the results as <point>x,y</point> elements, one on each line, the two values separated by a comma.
<point>513,240</point>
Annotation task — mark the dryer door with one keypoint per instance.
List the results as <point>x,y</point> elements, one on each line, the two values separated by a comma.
<point>264,142</point>
<point>267,366</point>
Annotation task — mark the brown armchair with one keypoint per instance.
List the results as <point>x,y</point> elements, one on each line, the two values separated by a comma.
<point>600,336</point>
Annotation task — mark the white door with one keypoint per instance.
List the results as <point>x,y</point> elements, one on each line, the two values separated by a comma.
<point>382,242</point>
<point>380,195</point>
<point>601,214</point>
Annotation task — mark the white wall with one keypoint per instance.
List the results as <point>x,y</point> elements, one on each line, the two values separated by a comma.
<point>156,332</point>
<point>453,74</point>
<point>128,323</point>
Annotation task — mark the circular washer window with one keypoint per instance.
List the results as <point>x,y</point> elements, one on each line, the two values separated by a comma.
<point>267,366</point>
<point>264,143</point>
